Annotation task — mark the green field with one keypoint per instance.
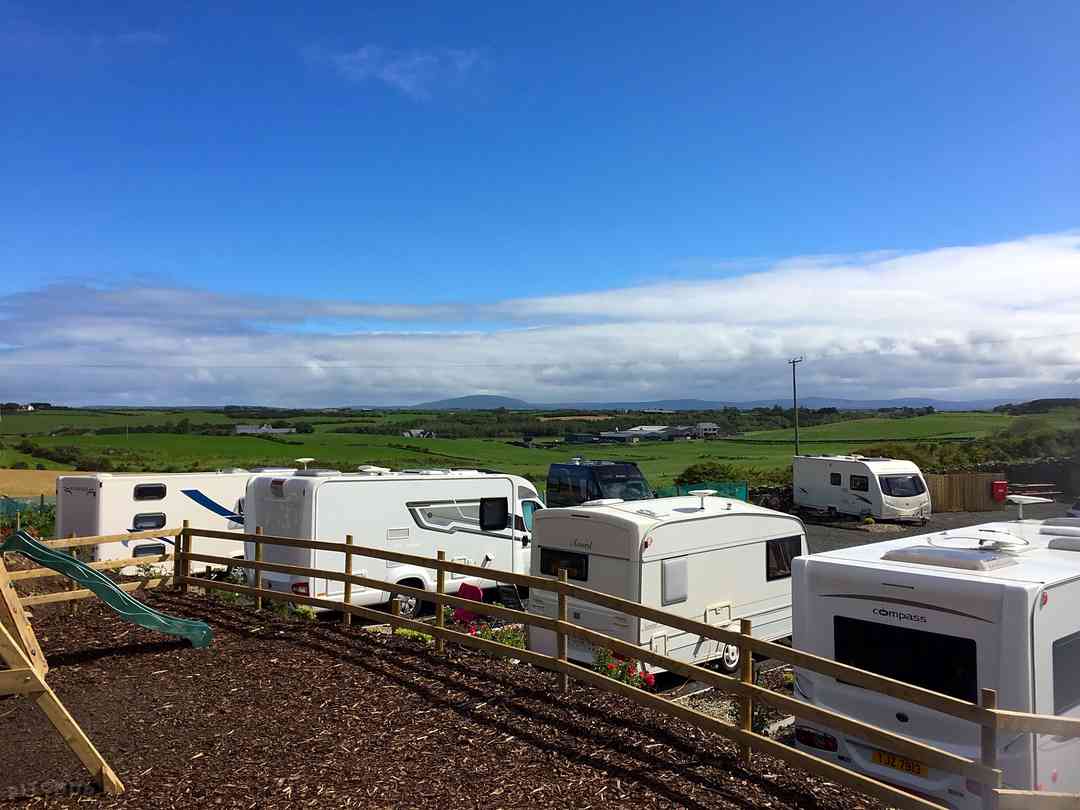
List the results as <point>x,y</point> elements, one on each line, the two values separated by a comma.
<point>660,461</point>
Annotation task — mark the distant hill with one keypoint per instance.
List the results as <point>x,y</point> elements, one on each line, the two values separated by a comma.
<point>484,402</point>
<point>477,402</point>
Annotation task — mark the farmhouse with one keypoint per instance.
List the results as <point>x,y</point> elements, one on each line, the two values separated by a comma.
<point>418,433</point>
<point>261,430</point>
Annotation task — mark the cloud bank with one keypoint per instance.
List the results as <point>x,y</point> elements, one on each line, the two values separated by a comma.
<point>957,323</point>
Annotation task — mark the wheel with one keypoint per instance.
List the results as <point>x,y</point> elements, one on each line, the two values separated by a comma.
<point>410,607</point>
<point>730,660</point>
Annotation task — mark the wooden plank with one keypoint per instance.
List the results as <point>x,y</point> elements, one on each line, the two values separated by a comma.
<point>68,596</point>
<point>746,702</point>
<point>988,747</point>
<point>346,617</point>
<point>13,619</point>
<point>104,565</point>
<point>1037,724</point>
<point>560,637</point>
<point>78,542</point>
<point>440,589</point>
<point>257,568</point>
<point>21,681</point>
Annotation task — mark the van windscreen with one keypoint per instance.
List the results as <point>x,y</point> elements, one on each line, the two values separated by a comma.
<point>622,481</point>
<point>902,486</point>
<point>934,661</point>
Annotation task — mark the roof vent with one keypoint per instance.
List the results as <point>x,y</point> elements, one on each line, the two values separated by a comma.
<point>965,559</point>
<point>603,502</point>
<point>371,469</point>
<point>1070,543</point>
<point>316,473</point>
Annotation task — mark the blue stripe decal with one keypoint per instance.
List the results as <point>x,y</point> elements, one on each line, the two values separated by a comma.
<point>212,505</point>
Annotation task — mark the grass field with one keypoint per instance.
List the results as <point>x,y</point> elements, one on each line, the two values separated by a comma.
<point>660,461</point>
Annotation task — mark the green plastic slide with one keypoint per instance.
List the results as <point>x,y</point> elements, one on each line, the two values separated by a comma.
<point>129,609</point>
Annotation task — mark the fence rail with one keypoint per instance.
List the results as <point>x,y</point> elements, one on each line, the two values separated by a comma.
<point>986,716</point>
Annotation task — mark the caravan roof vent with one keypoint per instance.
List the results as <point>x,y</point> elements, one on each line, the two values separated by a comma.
<point>1070,543</point>
<point>371,469</point>
<point>966,559</point>
<point>603,502</point>
<point>316,473</point>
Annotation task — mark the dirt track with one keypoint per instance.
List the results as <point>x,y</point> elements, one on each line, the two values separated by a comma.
<point>282,714</point>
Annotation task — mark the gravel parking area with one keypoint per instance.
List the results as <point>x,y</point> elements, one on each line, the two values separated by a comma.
<point>830,536</point>
<point>282,714</point>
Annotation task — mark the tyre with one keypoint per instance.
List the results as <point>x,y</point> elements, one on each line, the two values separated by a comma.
<point>411,607</point>
<point>730,660</point>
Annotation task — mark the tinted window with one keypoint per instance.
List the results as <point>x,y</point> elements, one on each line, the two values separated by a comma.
<point>528,509</point>
<point>149,550</point>
<point>778,557</point>
<point>673,585</point>
<point>1066,673</point>
<point>945,664</point>
<point>576,565</point>
<point>860,483</point>
<point>835,479</point>
<point>149,492</point>
<point>621,481</point>
<point>901,486</point>
<point>147,521</point>
<point>571,485</point>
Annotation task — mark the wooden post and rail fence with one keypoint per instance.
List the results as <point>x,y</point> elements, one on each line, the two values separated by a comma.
<point>990,720</point>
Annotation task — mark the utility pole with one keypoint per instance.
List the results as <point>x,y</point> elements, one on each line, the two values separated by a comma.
<point>794,361</point>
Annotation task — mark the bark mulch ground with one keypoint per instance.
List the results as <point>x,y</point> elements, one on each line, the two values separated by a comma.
<point>281,713</point>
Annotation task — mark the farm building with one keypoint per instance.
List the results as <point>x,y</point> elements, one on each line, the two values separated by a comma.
<point>261,430</point>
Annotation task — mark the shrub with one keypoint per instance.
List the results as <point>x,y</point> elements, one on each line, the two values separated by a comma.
<point>622,669</point>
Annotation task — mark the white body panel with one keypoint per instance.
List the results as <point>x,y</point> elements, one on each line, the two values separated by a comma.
<point>825,482</point>
<point>411,513</point>
<point>953,630</point>
<point>105,504</point>
<point>709,564</point>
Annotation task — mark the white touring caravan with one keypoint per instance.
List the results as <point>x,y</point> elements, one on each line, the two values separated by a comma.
<point>705,558</point>
<point>413,512</point>
<point>108,503</point>
<point>991,606</point>
<point>887,488</point>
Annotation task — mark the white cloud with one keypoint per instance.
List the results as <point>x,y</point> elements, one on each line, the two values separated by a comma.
<point>417,73</point>
<point>959,323</point>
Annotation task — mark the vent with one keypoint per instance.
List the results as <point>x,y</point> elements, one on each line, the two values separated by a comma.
<point>964,559</point>
<point>1070,543</point>
<point>371,469</point>
<point>603,502</point>
<point>314,473</point>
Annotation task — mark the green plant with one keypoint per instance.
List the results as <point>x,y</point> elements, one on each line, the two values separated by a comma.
<point>304,612</point>
<point>621,669</point>
<point>868,521</point>
<point>512,635</point>
<point>413,635</point>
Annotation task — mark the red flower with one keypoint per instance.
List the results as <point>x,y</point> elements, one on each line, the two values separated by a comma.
<point>611,666</point>
<point>650,679</point>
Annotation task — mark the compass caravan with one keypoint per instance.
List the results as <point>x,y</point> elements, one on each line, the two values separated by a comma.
<point>992,606</point>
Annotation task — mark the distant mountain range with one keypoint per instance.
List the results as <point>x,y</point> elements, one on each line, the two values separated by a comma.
<point>486,402</point>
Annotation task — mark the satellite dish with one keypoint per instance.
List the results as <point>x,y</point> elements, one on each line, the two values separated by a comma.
<point>304,461</point>
<point>703,494</point>
<point>1022,500</point>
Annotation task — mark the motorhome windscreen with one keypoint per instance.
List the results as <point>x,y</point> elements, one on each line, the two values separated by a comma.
<point>576,565</point>
<point>621,481</point>
<point>1066,665</point>
<point>941,663</point>
<point>902,486</point>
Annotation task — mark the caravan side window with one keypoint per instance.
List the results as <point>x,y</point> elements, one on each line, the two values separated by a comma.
<point>148,521</point>
<point>835,479</point>
<point>1066,663</point>
<point>149,492</point>
<point>778,557</point>
<point>673,581</point>
<point>860,483</point>
<point>576,565</point>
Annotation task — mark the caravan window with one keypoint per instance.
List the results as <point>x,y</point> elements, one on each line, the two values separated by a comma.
<point>859,483</point>
<point>778,557</point>
<point>835,479</point>
<point>147,521</point>
<point>945,664</point>
<point>1066,663</point>
<point>576,565</point>
<point>902,486</point>
<point>673,586</point>
<point>149,492</point>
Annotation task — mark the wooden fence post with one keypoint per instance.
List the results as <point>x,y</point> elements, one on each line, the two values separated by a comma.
<point>746,703</point>
<point>440,587</point>
<point>257,570</point>
<point>185,562</point>
<point>988,746</point>
<point>564,678</point>
<point>178,556</point>
<point>346,618</point>
<point>18,521</point>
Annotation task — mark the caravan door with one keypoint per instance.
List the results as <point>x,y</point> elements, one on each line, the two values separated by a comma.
<point>1057,686</point>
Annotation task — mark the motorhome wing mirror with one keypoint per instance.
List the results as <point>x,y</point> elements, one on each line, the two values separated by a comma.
<point>494,514</point>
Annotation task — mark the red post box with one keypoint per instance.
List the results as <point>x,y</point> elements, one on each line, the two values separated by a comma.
<point>998,490</point>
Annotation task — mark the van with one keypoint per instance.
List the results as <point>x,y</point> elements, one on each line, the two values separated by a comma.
<point>991,606</point>
<point>418,512</point>
<point>883,488</point>
<point>580,481</point>
<point>714,560</point>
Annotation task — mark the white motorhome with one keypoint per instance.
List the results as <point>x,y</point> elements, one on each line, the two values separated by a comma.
<point>887,488</point>
<point>991,606</point>
<point>702,557</point>
<point>412,511</point>
<point>114,503</point>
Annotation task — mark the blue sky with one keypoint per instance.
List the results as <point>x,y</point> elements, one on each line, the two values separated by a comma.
<point>435,154</point>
